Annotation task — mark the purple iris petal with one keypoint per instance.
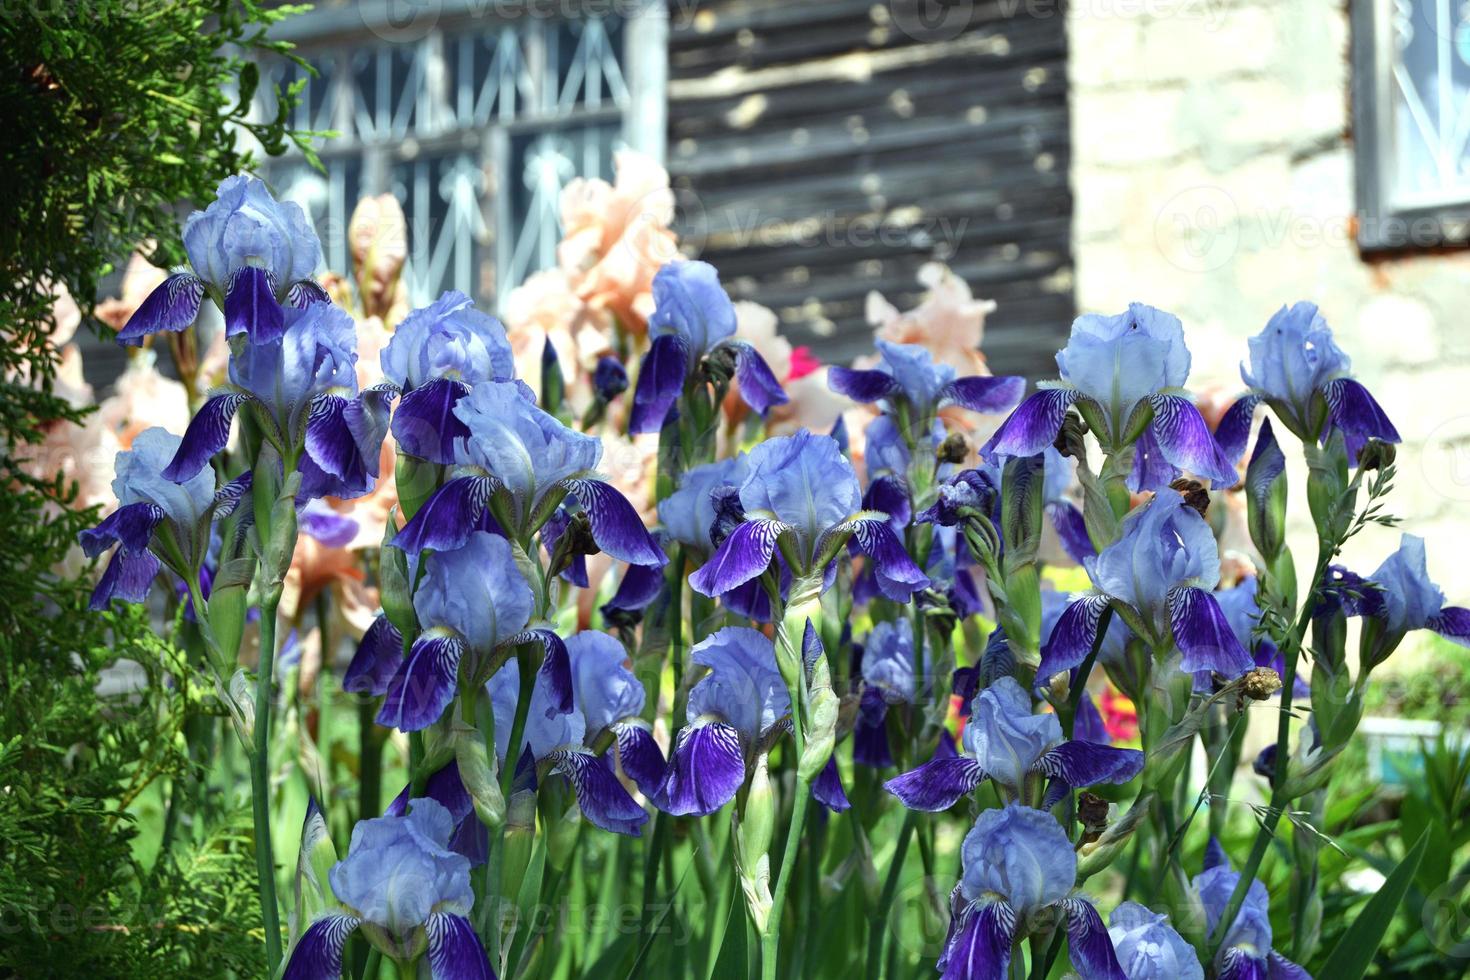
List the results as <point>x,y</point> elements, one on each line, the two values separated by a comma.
<point>1234,430</point>
<point>742,556</point>
<point>827,788</point>
<point>640,756</point>
<point>317,955</point>
<point>173,305</point>
<point>1032,426</point>
<point>455,951</point>
<point>980,946</point>
<point>1452,623</point>
<point>304,292</point>
<point>1151,470</point>
<point>610,378</point>
<point>130,526</point>
<point>898,576</point>
<point>982,394</point>
<point>447,788</point>
<point>639,586</point>
<point>551,532</point>
<point>251,307</point>
<point>1281,968</point>
<point>1203,634</point>
<point>936,785</point>
<point>333,445</point>
<point>128,577</point>
<point>1073,636</point>
<point>425,424</point>
<point>1088,942</point>
<point>1357,414</point>
<point>424,684</point>
<point>887,494</point>
<point>660,381</point>
<point>1267,463</point>
<point>1089,725</point>
<point>207,434</point>
<point>1237,963</point>
<point>1071,530</point>
<point>556,668</point>
<point>448,518</point>
<point>1081,764</point>
<point>861,386</point>
<point>377,659</point>
<point>870,731</point>
<point>1185,440</point>
<point>228,497</point>
<point>706,770</point>
<point>602,799</point>
<point>759,388</point>
<point>1215,855</point>
<point>616,526</point>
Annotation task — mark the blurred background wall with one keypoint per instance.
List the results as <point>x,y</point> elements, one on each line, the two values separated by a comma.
<point>1231,156</point>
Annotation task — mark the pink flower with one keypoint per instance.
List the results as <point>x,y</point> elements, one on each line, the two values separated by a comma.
<point>543,308</point>
<point>803,363</point>
<point>616,236</point>
<point>143,398</point>
<point>378,238</point>
<point>950,322</point>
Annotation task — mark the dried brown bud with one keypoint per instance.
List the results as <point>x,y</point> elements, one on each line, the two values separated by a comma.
<point>1092,811</point>
<point>1069,437</point>
<point>1260,683</point>
<point>1194,493</point>
<point>1376,454</point>
<point>953,449</point>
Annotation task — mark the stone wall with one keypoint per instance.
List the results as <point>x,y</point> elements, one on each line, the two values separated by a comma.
<point>1213,177</point>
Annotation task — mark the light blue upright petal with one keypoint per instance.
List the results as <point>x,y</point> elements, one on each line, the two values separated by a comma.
<point>913,367</point>
<point>246,226</point>
<point>743,688</point>
<point>1293,356</point>
<point>527,449</point>
<point>399,869</point>
<point>804,480</point>
<point>451,339</point>
<point>1163,544</point>
<point>1005,736</point>
<point>688,512</point>
<point>888,660</point>
<point>690,303</point>
<point>1409,598</point>
<point>1119,360</point>
<point>546,730</point>
<point>316,353</point>
<point>476,591</point>
<point>139,479</point>
<point>1019,854</point>
<point>1149,948</point>
<point>605,690</point>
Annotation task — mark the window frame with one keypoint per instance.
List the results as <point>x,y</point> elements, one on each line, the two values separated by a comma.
<point>1382,227</point>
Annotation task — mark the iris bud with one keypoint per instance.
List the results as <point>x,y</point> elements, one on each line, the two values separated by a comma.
<point>610,378</point>
<point>475,771</point>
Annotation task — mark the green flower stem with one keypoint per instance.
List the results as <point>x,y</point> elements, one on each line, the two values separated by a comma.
<point>370,761</point>
<point>771,941</point>
<point>265,862</point>
<point>1290,650</point>
<point>877,923</point>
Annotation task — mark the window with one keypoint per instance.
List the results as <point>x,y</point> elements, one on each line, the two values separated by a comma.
<point>1411,115</point>
<point>475,122</point>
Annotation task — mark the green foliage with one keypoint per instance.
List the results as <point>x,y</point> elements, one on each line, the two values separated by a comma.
<point>114,113</point>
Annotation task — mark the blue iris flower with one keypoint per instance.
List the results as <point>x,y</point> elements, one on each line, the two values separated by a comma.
<point>1297,369</point>
<point>1159,576</point>
<point>1112,368</point>
<point>251,253</point>
<point>887,668</point>
<point>801,493</point>
<point>1401,597</point>
<point>909,380</point>
<point>611,699</point>
<point>436,355</point>
<point>301,389</point>
<point>517,464</point>
<point>1006,741</point>
<point>556,743</point>
<point>1148,948</point>
<point>1017,862</point>
<point>154,515</point>
<point>1246,952</point>
<point>739,706</point>
<point>471,603</point>
<point>692,319</point>
<point>689,512</point>
<point>408,893</point>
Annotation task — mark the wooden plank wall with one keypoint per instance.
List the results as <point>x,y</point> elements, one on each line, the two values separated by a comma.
<point>826,148</point>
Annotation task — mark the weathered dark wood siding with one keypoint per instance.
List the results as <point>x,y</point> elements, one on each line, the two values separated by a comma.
<point>826,148</point>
